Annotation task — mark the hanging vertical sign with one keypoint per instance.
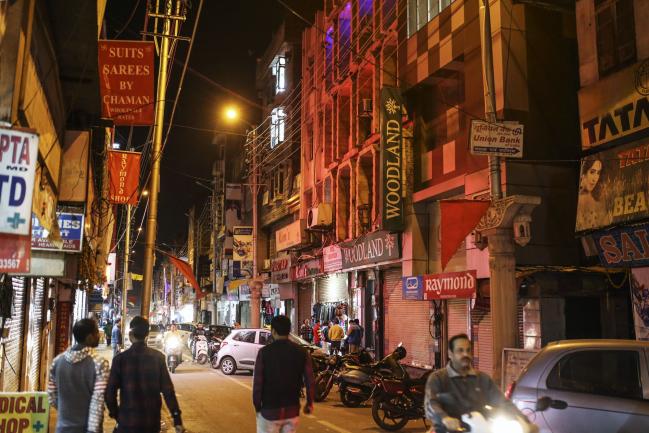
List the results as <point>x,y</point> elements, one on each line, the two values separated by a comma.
<point>242,250</point>
<point>126,81</point>
<point>391,164</point>
<point>124,176</point>
<point>18,153</point>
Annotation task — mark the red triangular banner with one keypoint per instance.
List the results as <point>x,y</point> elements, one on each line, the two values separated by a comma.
<point>186,270</point>
<point>459,217</point>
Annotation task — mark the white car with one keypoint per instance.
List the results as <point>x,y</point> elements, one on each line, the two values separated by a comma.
<point>239,349</point>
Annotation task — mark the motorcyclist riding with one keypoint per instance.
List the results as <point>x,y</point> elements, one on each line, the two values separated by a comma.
<point>472,390</point>
<point>199,330</point>
<point>171,333</point>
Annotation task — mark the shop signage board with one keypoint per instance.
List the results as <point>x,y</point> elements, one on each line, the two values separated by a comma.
<point>126,81</point>
<point>413,288</point>
<point>71,229</point>
<point>63,316</point>
<point>392,176</point>
<point>451,285</point>
<point>124,177</point>
<point>614,187</point>
<point>289,236</point>
<point>24,412</point>
<point>496,139</point>
<point>332,258</point>
<point>375,247</point>
<point>307,269</point>
<point>281,269</point>
<point>15,253</point>
<point>623,247</point>
<point>18,155</point>
<point>244,292</point>
<point>514,361</point>
<point>242,243</point>
<point>616,107</point>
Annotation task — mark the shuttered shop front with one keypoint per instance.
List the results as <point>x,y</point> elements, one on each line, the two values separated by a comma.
<point>482,336</point>
<point>304,301</point>
<point>406,321</point>
<point>36,333</point>
<point>457,317</point>
<point>12,360</point>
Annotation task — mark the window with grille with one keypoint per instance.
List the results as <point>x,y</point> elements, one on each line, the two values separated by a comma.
<point>277,126</point>
<point>615,31</point>
<point>421,12</point>
<point>279,72</point>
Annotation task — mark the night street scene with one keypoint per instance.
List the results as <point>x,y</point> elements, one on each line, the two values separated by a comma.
<point>326,216</point>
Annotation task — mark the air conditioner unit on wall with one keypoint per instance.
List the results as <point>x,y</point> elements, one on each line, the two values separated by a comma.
<point>319,216</point>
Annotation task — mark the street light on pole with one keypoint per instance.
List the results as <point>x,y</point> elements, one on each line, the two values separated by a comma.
<point>232,114</point>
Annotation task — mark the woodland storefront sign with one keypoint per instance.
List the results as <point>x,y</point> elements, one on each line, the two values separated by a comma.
<point>391,164</point>
<point>376,247</point>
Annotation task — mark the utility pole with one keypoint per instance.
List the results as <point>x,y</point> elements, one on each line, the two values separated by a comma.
<point>127,252</point>
<point>499,228</point>
<point>152,218</point>
<point>255,290</point>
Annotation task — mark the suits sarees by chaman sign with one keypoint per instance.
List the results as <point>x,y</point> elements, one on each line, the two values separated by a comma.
<point>391,159</point>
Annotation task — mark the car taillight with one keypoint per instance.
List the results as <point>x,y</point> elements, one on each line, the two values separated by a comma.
<point>510,390</point>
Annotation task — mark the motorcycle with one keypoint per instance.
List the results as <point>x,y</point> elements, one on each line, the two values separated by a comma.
<point>214,346</point>
<point>335,364</point>
<point>173,352</point>
<point>492,420</point>
<point>359,383</point>
<point>397,401</point>
<point>201,349</point>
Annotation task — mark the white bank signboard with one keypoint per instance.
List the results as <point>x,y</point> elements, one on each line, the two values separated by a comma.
<point>18,155</point>
<point>497,139</point>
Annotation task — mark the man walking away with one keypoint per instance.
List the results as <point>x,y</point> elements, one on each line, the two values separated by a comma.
<point>140,374</point>
<point>108,332</point>
<point>336,335</point>
<point>281,369</point>
<point>77,382</point>
<point>116,339</point>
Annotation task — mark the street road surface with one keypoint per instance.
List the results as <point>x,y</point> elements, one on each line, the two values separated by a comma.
<point>213,402</point>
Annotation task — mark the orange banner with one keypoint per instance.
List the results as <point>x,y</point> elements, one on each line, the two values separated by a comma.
<point>126,81</point>
<point>124,176</point>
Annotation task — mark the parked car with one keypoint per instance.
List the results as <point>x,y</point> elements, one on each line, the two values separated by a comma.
<point>155,337</point>
<point>239,349</point>
<point>594,386</point>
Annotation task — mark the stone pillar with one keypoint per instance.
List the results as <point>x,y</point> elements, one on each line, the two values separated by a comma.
<point>255,303</point>
<point>506,222</point>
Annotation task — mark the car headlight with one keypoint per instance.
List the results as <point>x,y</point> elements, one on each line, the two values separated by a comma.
<point>173,343</point>
<point>503,424</point>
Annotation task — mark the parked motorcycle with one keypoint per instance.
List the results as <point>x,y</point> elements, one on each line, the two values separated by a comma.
<point>214,346</point>
<point>201,349</point>
<point>335,364</point>
<point>397,401</point>
<point>173,352</point>
<point>359,383</point>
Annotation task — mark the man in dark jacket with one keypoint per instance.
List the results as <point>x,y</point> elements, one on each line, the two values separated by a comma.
<point>116,339</point>
<point>77,382</point>
<point>281,369</point>
<point>471,390</point>
<point>140,374</point>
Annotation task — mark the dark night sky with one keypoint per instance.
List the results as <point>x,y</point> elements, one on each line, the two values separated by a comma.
<point>230,36</point>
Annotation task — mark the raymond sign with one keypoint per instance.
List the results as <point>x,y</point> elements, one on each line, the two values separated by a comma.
<point>451,285</point>
<point>24,412</point>
<point>391,166</point>
<point>18,153</point>
<point>126,71</point>
<point>124,174</point>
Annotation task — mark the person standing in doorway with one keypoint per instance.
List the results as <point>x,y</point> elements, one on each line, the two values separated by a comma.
<point>116,339</point>
<point>77,382</point>
<point>336,335</point>
<point>316,333</point>
<point>282,367</point>
<point>306,332</point>
<point>140,375</point>
<point>354,336</point>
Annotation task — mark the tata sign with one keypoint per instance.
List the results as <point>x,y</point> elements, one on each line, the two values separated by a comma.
<point>18,154</point>
<point>627,247</point>
<point>71,226</point>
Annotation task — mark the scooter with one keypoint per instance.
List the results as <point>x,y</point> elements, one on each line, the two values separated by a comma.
<point>201,349</point>
<point>173,352</point>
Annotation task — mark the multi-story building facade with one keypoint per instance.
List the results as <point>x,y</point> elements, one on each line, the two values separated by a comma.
<point>614,124</point>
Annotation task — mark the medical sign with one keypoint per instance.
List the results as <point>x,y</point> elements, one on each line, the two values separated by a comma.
<point>18,153</point>
<point>24,412</point>
<point>71,226</point>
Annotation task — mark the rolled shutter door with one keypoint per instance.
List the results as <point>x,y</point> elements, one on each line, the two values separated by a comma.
<point>482,337</point>
<point>305,296</point>
<point>406,322</point>
<point>14,342</point>
<point>35,325</point>
<point>457,317</point>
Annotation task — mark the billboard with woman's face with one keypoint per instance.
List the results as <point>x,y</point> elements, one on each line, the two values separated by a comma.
<point>614,187</point>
